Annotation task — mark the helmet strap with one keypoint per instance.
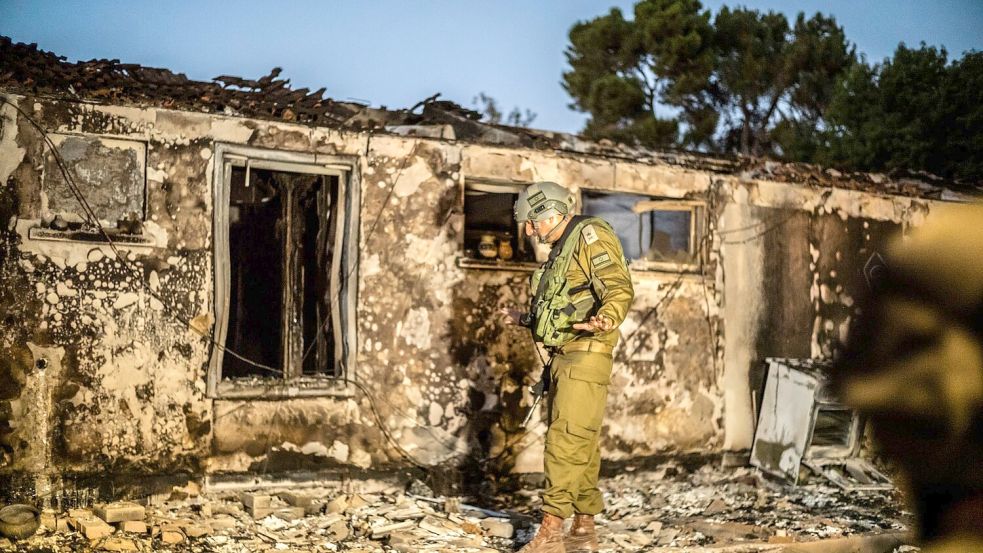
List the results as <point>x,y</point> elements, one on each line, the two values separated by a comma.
<point>549,235</point>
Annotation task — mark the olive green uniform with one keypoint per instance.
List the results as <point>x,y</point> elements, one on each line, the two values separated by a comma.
<point>581,371</point>
<point>914,365</point>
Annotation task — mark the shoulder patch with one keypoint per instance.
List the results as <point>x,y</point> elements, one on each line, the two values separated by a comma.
<point>601,260</point>
<point>590,235</point>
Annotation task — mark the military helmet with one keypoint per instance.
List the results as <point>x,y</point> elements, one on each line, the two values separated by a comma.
<point>541,200</point>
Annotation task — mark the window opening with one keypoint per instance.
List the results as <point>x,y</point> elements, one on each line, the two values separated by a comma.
<point>491,232</point>
<point>281,237</point>
<point>256,274</point>
<point>650,229</point>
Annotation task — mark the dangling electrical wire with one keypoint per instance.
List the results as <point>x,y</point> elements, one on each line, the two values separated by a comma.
<point>93,220</point>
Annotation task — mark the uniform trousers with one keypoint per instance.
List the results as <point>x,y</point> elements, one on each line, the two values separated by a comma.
<point>578,394</point>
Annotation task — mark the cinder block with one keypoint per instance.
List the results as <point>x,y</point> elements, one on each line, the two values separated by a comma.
<point>120,511</point>
<point>260,512</point>
<point>133,526</point>
<point>255,500</point>
<point>94,528</point>
<point>76,514</point>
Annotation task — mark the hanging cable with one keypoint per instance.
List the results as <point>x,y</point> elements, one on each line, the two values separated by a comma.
<point>764,232</point>
<point>135,272</point>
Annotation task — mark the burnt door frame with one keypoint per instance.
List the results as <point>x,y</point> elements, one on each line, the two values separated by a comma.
<point>343,282</point>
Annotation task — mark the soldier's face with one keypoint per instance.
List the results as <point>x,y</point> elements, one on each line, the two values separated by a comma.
<point>542,229</point>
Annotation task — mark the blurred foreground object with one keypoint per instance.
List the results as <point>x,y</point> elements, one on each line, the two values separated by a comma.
<point>914,365</point>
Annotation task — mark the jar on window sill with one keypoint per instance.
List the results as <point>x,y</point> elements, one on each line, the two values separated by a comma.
<point>505,251</point>
<point>487,247</point>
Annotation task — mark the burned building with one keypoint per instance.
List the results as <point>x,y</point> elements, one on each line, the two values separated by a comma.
<point>284,283</point>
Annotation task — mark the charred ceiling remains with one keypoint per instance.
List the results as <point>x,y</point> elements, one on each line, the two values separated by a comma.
<point>281,289</point>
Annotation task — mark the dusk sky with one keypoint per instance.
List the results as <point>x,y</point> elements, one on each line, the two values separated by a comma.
<point>397,52</point>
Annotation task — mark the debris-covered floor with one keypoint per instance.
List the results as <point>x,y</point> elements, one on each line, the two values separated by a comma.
<point>676,505</point>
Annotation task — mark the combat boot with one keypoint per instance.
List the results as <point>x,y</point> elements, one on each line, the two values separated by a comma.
<point>549,538</point>
<point>582,535</point>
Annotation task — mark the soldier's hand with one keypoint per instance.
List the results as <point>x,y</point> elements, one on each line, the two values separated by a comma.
<point>596,324</point>
<point>510,316</point>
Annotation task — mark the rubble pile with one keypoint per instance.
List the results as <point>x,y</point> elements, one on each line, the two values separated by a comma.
<point>691,506</point>
<point>674,506</point>
<point>323,519</point>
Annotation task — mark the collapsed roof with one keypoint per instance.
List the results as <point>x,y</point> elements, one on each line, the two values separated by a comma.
<point>28,70</point>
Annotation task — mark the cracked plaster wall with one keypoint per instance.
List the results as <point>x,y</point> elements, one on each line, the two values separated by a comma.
<point>129,390</point>
<point>792,273</point>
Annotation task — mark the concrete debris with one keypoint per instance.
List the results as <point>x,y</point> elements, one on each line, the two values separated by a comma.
<point>133,526</point>
<point>92,528</point>
<point>253,501</point>
<point>681,505</point>
<point>118,544</point>
<point>498,528</point>
<point>297,499</point>
<point>337,505</point>
<point>119,512</point>
<point>171,535</point>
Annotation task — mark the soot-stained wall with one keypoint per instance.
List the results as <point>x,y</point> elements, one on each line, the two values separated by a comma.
<point>97,371</point>
<point>794,262</point>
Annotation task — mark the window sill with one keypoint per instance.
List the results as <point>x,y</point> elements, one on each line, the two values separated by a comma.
<point>638,266</point>
<point>269,388</point>
<point>497,265</point>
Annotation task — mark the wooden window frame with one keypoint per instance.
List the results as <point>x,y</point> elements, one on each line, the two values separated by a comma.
<point>344,282</point>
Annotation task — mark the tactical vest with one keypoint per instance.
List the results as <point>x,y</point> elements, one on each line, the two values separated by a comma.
<point>553,311</point>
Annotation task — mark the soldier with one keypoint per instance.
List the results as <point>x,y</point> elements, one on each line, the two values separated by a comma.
<point>581,295</point>
<point>914,365</point>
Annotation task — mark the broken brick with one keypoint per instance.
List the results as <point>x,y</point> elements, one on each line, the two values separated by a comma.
<point>255,501</point>
<point>93,528</point>
<point>120,511</point>
<point>171,534</point>
<point>260,512</point>
<point>133,526</point>
<point>358,501</point>
<point>338,504</point>
<point>297,499</point>
<point>384,530</point>
<point>222,522</point>
<point>290,513</point>
<point>339,531</point>
<point>196,530</point>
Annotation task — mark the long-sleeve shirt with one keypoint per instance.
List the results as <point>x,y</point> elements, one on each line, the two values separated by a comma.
<point>599,259</point>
